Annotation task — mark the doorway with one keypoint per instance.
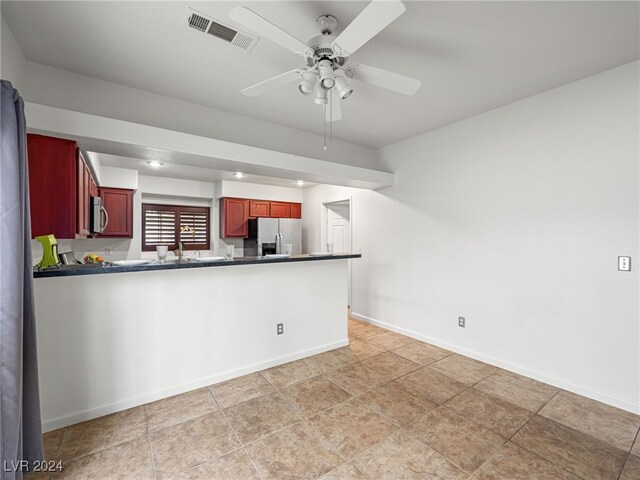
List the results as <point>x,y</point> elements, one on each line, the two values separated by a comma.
<point>336,231</point>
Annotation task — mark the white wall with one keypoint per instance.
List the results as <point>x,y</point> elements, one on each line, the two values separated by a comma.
<point>257,191</point>
<point>118,178</point>
<point>12,62</point>
<point>59,88</point>
<point>514,219</point>
<point>131,338</point>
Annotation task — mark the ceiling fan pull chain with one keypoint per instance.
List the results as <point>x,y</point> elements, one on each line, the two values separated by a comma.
<point>324,115</point>
<point>331,116</point>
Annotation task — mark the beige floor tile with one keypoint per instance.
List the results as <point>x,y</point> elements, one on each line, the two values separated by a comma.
<point>514,463</point>
<point>359,350</point>
<point>463,442</point>
<point>297,452</point>
<point>356,378</point>
<point>327,361</point>
<point>433,385</point>
<point>602,406</point>
<point>240,389</point>
<point>422,353</point>
<point>99,433</point>
<point>492,412</point>
<point>396,403</point>
<point>289,373</point>
<point>463,369</point>
<point>631,469</point>
<point>390,365</point>
<point>122,462</point>
<point>402,456</point>
<point>51,442</point>
<point>177,409</point>
<point>346,471</point>
<point>636,446</point>
<point>517,389</point>
<point>590,417</point>
<point>352,427</point>
<point>261,416</point>
<point>38,476</point>
<point>183,446</point>
<point>574,451</point>
<point>313,395</point>
<point>365,330</point>
<point>389,340</point>
<point>232,466</point>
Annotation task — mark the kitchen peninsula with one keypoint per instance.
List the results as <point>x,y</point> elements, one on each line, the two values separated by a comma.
<point>128,335</point>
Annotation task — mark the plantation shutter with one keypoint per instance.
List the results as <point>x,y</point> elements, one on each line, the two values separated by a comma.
<point>159,226</point>
<point>194,227</point>
<point>168,224</point>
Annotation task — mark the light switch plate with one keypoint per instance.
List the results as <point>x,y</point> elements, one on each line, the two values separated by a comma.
<point>624,264</point>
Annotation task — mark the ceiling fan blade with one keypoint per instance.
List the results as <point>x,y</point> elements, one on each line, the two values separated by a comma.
<point>333,112</point>
<point>251,20</point>
<point>383,78</point>
<point>274,82</point>
<point>374,18</point>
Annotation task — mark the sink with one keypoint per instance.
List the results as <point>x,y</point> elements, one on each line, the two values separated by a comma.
<point>210,259</point>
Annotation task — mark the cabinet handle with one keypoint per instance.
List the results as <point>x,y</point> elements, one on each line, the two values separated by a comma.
<point>106,219</point>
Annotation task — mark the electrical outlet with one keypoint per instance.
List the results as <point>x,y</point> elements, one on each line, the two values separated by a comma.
<point>107,251</point>
<point>624,264</point>
<point>280,328</point>
<point>461,322</point>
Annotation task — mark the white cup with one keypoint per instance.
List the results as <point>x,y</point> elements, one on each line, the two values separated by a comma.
<point>161,251</point>
<point>329,247</point>
<point>288,249</point>
<point>229,252</point>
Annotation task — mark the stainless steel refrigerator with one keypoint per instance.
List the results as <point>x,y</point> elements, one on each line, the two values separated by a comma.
<point>263,231</point>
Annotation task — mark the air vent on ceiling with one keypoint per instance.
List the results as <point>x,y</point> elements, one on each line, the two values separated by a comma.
<point>205,24</point>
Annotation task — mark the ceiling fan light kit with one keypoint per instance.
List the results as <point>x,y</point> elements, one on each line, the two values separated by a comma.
<point>307,83</point>
<point>327,56</point>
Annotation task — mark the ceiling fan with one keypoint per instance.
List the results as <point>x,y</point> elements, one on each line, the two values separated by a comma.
<point>328,69</point>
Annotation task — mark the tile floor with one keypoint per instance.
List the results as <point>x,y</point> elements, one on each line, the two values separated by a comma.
<point>386,406</point>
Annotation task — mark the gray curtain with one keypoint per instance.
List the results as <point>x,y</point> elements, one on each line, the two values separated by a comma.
<point>20,425</point>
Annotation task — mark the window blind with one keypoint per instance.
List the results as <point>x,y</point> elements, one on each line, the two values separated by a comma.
<point>168,224</point>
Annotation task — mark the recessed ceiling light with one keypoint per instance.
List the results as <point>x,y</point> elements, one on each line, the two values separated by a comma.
<point>155,163</point>
<point>238,175</point>
<point>300,183</point>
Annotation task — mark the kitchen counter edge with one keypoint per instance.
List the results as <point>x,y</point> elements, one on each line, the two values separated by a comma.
<point>179,265</point>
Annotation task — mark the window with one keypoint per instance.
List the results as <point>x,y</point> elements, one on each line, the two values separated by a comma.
<point>168,224</point>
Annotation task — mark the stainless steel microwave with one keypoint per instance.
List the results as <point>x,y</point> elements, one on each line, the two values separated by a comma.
<point>99,215</point>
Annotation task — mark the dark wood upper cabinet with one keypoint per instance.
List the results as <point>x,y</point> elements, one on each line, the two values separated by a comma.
<point>59,187</point>
<point>118,203</point>
<point>296,210</point>
<point>280,210</point>
<point>234,218</point>
<point>258,209</point>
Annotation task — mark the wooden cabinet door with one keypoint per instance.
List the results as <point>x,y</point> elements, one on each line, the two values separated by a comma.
<point>280,210</point>
<point>234,218</point>
<point>118,202</point>
<point>296,210</point>
<point>258,209</point>
<point>52,186</point>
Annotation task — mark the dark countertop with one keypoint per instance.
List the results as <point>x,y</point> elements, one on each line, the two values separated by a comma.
<point>72,270</point>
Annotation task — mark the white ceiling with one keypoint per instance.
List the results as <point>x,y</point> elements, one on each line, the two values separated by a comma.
<point>471,56</point>
<point>190,172</point>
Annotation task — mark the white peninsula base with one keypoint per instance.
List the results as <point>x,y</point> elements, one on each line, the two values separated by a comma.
<point>113,341</point>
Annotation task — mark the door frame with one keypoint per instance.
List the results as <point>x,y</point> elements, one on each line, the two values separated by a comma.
<point>323,234</point>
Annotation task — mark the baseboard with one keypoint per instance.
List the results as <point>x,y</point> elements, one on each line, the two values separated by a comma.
<point>601,397</point>
<point>84,415</point>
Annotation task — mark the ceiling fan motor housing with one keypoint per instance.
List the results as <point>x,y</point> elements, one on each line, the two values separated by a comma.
<point>321,46</point>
